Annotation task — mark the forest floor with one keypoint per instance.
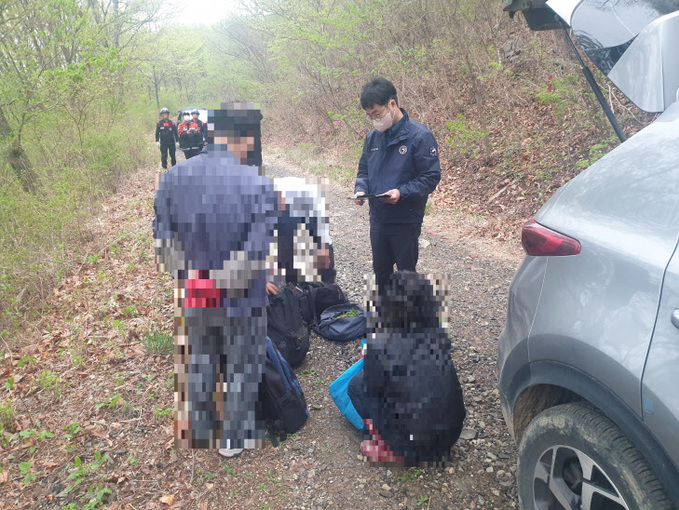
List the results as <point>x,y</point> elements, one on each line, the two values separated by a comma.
<point>91,393</point>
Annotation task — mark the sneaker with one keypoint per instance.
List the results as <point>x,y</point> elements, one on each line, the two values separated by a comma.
<point>230,452</point>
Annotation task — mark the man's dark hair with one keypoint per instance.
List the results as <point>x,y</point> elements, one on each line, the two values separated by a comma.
<point>378,91</point>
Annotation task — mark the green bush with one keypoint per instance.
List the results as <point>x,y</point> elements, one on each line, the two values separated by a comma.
<point>158,342</point>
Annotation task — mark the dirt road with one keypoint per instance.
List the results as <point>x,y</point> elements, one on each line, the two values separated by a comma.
<point>118,394</point>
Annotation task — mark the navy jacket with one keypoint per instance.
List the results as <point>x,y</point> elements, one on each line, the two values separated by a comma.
<point>405,157</point>
<point>210,209</point>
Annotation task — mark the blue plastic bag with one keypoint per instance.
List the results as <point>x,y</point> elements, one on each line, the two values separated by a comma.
<point>338,392</point>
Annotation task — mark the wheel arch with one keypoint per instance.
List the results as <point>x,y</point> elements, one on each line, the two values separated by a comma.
<point>545,384</point>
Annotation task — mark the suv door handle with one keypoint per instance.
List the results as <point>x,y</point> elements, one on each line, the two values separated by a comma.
<point>675,318</point>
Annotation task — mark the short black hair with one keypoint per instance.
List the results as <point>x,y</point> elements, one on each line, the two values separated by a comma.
<point>378,91</point>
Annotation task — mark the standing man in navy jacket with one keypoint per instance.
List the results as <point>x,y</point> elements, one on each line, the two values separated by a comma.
<point>400,164</point>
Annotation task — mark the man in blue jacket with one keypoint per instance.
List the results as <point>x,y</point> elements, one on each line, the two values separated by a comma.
<point>214,223</point>
<point>398,170</point>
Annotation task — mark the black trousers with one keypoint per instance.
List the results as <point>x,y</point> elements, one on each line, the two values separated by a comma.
<point>393,243</point>
<point>164,149</point>
<point>365,405</point>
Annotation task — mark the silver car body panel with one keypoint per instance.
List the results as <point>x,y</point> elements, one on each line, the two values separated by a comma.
<point>660,398</point>
<point>597,310</point>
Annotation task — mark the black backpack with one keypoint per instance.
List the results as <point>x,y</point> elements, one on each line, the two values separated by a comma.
<point>342,323</point>
<point>315,297</point>
<point>285,326</point>
<point>283,405</point>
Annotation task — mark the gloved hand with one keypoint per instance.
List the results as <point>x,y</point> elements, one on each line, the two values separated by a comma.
<point>158,144</point>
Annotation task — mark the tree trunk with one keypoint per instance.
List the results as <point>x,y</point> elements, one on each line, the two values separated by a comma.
<point>17,158</point>
<point>156,84</point>
<point>116,26</point>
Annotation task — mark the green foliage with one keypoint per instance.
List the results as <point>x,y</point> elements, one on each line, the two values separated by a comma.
<point>72,430</point>
<point>565,95</point>
<point>422,500</point>
<point>350,313</point>
<point>25,361</point>
<point>27,471</point>
<point>159,412</point>
<point>158,342</point>
<point>130,311</point>
<point>7,416</point>
<point>109,403</point>
<point>82,469</point>
<point>95,497</point>
<point>48,381</point>
<point>63,96</point>
<point>596,152</point>
<point>228,470</point>
<point>465,136</point>
<point>410,476</point>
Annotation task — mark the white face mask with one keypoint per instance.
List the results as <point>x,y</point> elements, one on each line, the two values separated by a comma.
<point>384,123</point>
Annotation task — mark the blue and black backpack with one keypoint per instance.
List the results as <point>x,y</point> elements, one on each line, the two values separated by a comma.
<point>283,405</point>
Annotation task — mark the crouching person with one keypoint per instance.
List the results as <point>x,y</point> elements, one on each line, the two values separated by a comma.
<point>214,222</point>
<point>408,392</point>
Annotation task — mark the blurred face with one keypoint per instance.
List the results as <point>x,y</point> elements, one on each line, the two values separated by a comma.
<point>195,116</point>
<point>187,118</point>
<point>239,145</point>
<point>165,116</point>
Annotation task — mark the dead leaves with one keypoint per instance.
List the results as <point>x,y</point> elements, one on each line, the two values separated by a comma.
<point>168,500</point>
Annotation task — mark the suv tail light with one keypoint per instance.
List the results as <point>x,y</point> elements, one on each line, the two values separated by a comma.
<point>540,241</point>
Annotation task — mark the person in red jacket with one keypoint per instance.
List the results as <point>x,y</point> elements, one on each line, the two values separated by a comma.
<point>189,133</point>
<point>201,125</point>
<point>166,138</point>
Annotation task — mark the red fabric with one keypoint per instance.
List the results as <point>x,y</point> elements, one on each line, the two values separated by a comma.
<point>202,293</point>
<point>185,126</point>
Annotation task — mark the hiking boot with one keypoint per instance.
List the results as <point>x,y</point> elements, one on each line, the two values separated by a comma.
<point>230,452</point>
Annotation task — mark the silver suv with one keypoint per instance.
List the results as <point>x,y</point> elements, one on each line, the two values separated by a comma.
<point>589,357</point>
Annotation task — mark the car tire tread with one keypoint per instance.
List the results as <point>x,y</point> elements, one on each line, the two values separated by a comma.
<point>579,425</point>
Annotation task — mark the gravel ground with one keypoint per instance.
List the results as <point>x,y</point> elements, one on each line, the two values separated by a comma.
<point>321,467</point>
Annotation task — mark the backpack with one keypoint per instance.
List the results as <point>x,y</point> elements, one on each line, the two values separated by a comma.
<point>283,405</point>
<point>315,297</point>
<point>337,326</point>
<point>285,326</point>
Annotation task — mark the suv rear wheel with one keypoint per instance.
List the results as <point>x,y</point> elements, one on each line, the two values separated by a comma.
<point>572,457</point>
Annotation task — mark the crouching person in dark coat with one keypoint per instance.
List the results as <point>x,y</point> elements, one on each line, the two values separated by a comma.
<point>214,223</point>
<point>408,392</point>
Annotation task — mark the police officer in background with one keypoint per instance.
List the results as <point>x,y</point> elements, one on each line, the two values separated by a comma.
<point>166,138</point>
<point>400,164</point>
